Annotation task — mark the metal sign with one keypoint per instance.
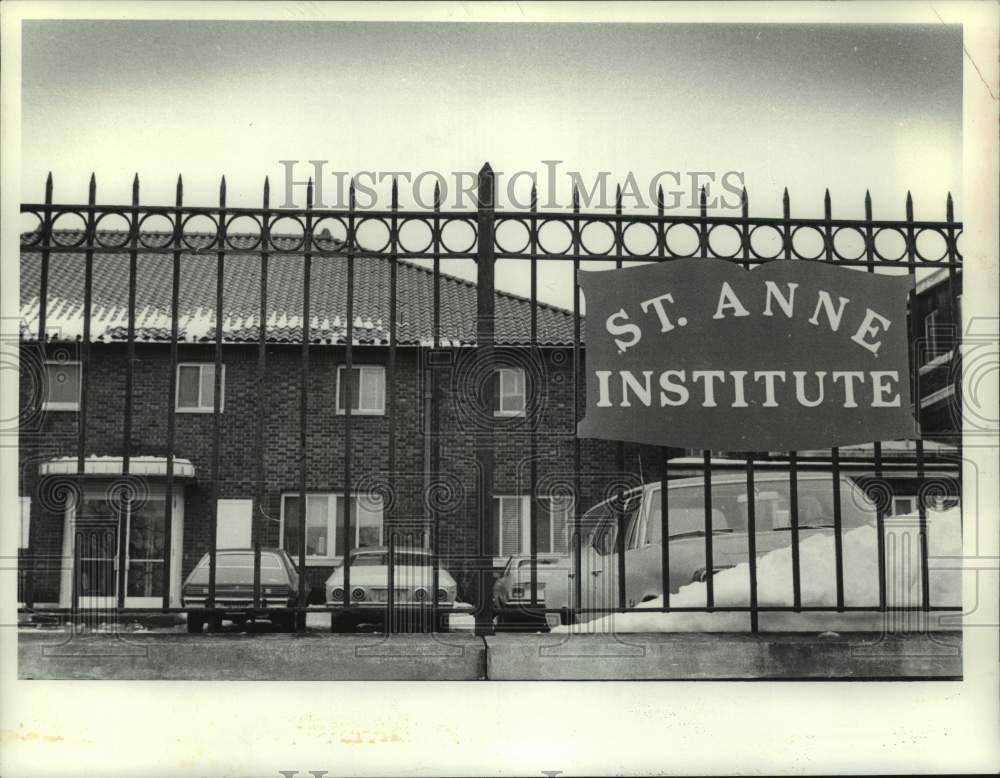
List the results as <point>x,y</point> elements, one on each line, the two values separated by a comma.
<point>700,353</point>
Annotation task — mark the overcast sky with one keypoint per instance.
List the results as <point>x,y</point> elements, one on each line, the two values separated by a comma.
<point>808,107</point>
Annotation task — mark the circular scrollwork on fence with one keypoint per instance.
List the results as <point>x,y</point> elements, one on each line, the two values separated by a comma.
<point>889,240</point>
<point>112,230</point>
<point>452,232</point>
<point>372,234</point>
<point>291,229</point>
<point>199,231</point>
<point>416,236</point>
<point>766,241</point>
<point>551,236</point>
<point>640,239</point>
<point>241,226</point>
<point>156,230</point>
<point>679,236</point>
<point>930,245</point>
<point>512,235</point>
<point>597,238</point>
<point>848,244</point>
<point>69,228</point>
<point>725,241</point>
<point>808,242</point>
<point>31,228</point>
<point>329,229</point>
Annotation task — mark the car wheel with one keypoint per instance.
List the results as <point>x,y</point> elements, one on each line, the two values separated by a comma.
<point>195,624</point>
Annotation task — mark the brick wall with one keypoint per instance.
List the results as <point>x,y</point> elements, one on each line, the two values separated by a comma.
<point>452,490</point>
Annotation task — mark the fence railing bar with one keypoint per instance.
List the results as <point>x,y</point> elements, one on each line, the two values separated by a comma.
<point>88,296</point>
<point>391,399</point>
<point>306,330</point>
<point>838,535</point>
<point>925,589</point>
<point>349,391</point>
<point>793,518</point>
<point>752,542</point>
<point>532,397</point>
<point>175,287</point>
<point>259,526</point>
<point>709,562</point>
<point>125,504</point>
<point>578,384</point>
<point>620,445</point>
<point>485,342</point>
<point>435,443</point>
<point>213,513</point>
<point>661,250</point>
<point>880,508</point>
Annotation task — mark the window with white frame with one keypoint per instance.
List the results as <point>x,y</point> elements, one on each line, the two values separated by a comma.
<point>367,389</point>
<point>512,518</point>
<point>930,335</point>
<point>196,387</point>
<point>511,394</point>
<point>325,517</point>
<point>62,386</point>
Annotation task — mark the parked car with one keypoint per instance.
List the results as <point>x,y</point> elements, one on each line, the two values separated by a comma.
<point>639,515</point>
<point>234,581</point>
<point>369,597</point>
<point>512,593</point>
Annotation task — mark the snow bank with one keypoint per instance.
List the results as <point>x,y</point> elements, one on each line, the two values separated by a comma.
<point>818,582</point>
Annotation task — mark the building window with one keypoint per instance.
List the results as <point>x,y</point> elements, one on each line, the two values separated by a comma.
<point>196,388</point>
<point>62,386</point>
<point>325,515</point>
<point>367,389</point>
<point>930,335</point>
<point>511,514</point>
<point>510,392</point>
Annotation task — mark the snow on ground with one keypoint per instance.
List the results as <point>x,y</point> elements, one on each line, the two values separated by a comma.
<point>818,583</point>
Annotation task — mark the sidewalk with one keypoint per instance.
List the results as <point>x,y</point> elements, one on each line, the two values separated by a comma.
<point>315,656</point>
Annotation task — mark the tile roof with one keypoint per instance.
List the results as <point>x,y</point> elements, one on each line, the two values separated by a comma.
<point>241,295</point>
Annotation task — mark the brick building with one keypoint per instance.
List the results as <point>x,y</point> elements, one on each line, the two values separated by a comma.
<point>535,407</point>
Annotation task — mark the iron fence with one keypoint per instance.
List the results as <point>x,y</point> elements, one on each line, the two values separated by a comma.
<point>568,236</point>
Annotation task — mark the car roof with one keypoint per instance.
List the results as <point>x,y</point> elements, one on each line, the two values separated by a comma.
<point>385,550</point>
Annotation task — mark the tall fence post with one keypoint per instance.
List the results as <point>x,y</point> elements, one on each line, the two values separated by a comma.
<point>484,364</point>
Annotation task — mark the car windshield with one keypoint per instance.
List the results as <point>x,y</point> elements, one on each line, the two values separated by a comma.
<point>600,524</point>
<point>542,562</point>
<point>772,507</point>
<point>381,558</point>
<point>238,569</point>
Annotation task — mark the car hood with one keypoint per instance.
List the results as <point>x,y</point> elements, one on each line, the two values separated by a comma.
<point>378,575</point>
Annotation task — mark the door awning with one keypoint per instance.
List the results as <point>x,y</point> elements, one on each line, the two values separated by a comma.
<point>147,466</point>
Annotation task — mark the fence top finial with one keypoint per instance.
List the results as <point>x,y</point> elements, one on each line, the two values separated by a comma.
<point>949,208</point>
<point>222,192</point>
<point>909,205</point>
<point>827,207</point>
<point>786,204</point>
<point>48,187</point>
<point>135,189</point>
<point>659,198</point>
<point>309,194</point>
<point>486,170</point>
<point>576,198</point>
<point>745,202</point>
<point>92,188</point>
<point>534,195</point>
<point>437,195</point>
